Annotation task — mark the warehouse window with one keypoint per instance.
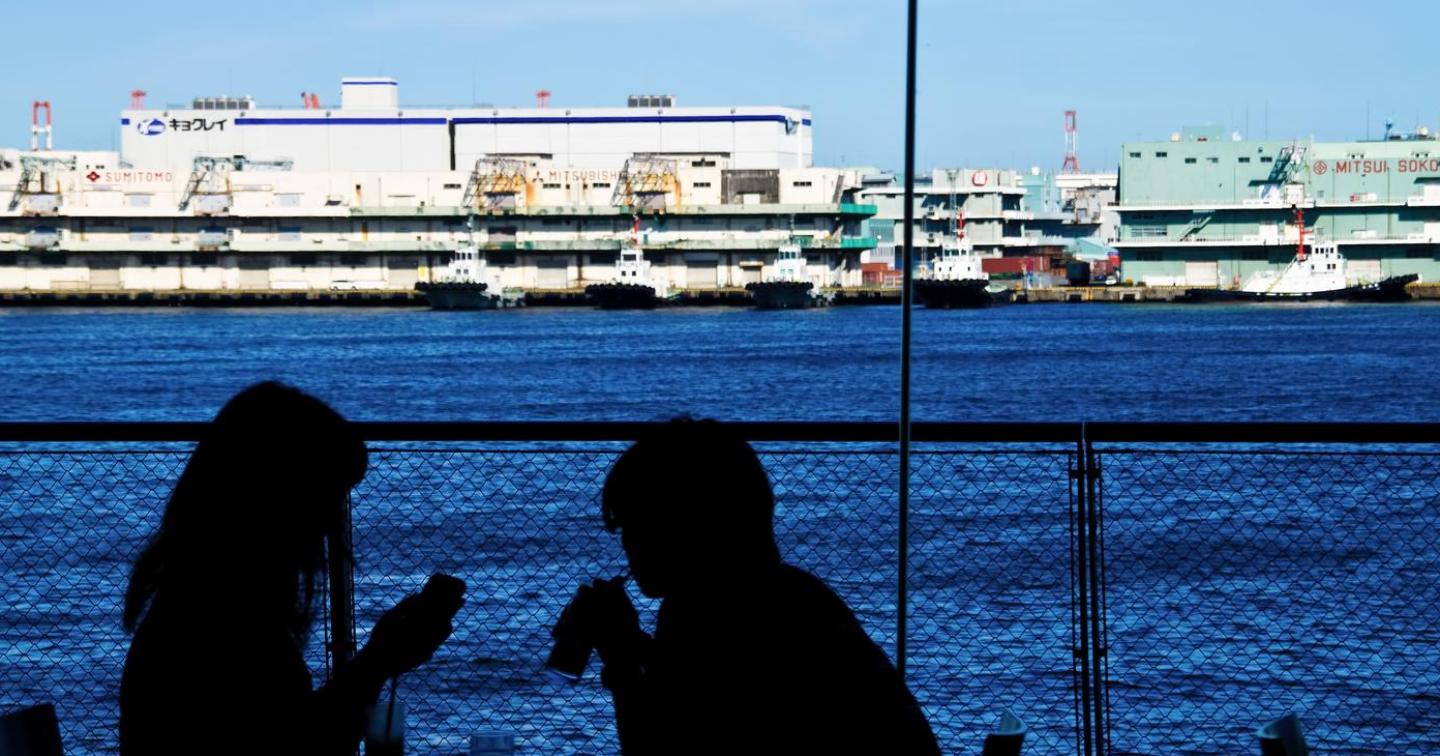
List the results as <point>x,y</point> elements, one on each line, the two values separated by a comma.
<point>602,258</point>
<point>204,258</point>
<point>154,259</point>
<point>800,183</point>
<point>1134,154</point>
<point>500,258</point>
<point>702,184</point>
<point>601,185</point>
<point>1189,161</point>
<point>702,163</point>
<point>9,258</point>
<point>1245,159</point>
<point>1147,255</point>
<point>1266,159</point>
<point>1213,160</point>
<point>1162,154</point>
<point>303,259</point>
<point>453,186</point>
<point>552,186</point>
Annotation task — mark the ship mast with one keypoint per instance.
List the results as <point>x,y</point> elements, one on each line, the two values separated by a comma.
<point>1300,226</point>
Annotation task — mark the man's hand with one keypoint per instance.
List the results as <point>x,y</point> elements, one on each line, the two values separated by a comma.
<point>603,613</point>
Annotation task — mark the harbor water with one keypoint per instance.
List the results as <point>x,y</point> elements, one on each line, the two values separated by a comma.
<point>994,570</point>
<point>1305,362</point>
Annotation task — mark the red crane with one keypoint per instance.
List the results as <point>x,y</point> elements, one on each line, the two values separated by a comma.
<point>137,99</point>
<point>542,98</point>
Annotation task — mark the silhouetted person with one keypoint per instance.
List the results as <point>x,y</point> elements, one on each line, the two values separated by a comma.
<point>220,602</point>
<point>750,655</point>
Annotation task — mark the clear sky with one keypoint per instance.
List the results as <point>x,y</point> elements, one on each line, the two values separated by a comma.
<point>995,76</point>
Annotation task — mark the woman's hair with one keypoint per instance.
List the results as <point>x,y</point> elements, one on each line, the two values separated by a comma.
<point>252,509</point>
<point>699,478</point>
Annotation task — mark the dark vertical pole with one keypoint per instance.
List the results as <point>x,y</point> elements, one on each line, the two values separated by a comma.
<point>1098,646</point>
<point>450,126</point>
<point>902,607</point>
<point>342,591</point>
<point>1079,480</point>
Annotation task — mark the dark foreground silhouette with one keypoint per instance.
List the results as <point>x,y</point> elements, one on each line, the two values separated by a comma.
<point>750,655</point>
<point>220,601</point>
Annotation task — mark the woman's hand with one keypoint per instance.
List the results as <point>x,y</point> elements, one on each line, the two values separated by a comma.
<point>408,635</point>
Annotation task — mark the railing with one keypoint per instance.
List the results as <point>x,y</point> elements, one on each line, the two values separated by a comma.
<point>1124,587</point>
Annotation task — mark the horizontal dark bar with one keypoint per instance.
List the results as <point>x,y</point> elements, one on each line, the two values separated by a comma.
<point>819,432</point>
<point>1265,433</point>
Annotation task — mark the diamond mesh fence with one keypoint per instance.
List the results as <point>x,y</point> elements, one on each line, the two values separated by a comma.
<point>1238,585</point>
<point>1241,585</point>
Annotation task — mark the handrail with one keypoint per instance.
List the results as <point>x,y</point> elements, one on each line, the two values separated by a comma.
<point>819,432</point>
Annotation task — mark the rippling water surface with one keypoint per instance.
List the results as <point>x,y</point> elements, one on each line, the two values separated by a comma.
<point>1039,362</point>
<point>1235,582</point>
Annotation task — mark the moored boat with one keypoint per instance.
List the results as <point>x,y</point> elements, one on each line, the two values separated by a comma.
<point>465,285</point>
<point>789,288</point>
<point>1318,273</point>
<point>636,286</point>
<point>956,278</point>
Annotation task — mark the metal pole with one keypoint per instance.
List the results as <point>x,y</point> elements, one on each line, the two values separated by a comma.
<point>1080,480</point>
<point>902,603</point>
<point>342,591</point>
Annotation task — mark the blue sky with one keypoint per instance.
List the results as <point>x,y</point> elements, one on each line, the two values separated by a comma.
<point>994,76</point>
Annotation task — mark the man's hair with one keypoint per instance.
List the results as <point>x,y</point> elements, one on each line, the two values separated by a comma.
<point>694,475</point>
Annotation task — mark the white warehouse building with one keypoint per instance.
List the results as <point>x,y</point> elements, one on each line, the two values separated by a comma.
<point>370,131</point>
<point>223,199</point>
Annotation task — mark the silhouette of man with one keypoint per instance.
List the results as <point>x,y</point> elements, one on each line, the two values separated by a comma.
<point>750,655</point>
<point>220,600</point>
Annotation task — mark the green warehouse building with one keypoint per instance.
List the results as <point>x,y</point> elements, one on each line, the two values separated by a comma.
<point>1206,209</point>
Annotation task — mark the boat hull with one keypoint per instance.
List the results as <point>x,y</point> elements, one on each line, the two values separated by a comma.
<point>784,295</point>
<point>972,293</point>
<point>458,296</point>
<point>622,296</point>
<point>1389,290</point>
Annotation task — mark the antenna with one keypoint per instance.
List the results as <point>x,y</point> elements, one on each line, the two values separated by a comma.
<point>36,129</point>
<point>542,98</point>
<point>1072,144</point>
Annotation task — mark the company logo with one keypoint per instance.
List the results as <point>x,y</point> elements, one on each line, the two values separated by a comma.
<point>150,127</point>
<point>1319,167</point>
<point>93,176</point>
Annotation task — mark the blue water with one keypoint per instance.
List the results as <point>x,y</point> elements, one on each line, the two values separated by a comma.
<point>1239,585</point>
<point>1040,362</point>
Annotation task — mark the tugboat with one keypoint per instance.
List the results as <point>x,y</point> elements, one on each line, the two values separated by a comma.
<point>957,279</point>
<point>466,285</point>
<point>1318,274</point>
<point>635,285</point>
<point>789,288</point>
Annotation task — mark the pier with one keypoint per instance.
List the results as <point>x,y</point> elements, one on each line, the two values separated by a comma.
<point>574,297</point>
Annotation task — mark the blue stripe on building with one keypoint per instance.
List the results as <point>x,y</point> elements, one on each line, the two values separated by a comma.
<point>515,120</point>
<point>339,121</point>
<point>630,119</point>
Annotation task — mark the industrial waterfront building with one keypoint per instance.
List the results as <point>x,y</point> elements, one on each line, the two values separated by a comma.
<point>225,197</point>
<point>1007,213</point>
<point>1208,209</point>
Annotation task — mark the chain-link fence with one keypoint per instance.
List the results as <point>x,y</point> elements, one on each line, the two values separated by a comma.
<point>1244,584</point>
<point>1237,585</point>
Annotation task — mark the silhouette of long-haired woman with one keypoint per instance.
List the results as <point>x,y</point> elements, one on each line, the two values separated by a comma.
<point>220,602</point>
